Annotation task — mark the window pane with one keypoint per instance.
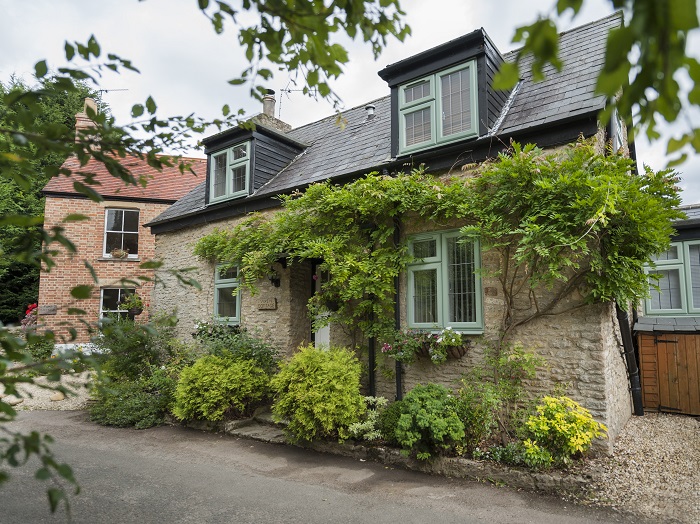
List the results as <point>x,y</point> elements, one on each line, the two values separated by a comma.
<point>669,294</point>
<point>131,242</point>
<point>114,241</point>
<point>239,179</point>
<point>219,174</point>
<point>240,151</point>
<point>115,219</point>
<point>425,296</point>
<point>417,126</point>
<point>229,273</point>
<point>131,221</point>
<point>226,302</point>
<point>694,254</point>
<point>461,281</point>
<point>425,248</point>
<point>110,299</point>
<point>671,254</point>
<point>456,109</point>
<point>417,91</point>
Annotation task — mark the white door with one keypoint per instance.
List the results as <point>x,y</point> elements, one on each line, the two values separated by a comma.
<point>322,337</point>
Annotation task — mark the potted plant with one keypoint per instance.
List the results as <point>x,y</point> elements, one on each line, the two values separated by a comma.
<point>119,253</point>
<point>132,303</point>
<point>404,347</point>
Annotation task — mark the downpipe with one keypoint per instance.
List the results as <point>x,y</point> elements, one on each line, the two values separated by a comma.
<point>630,360</point>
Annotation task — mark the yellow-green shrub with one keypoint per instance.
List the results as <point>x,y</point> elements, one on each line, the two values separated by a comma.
<point>318,393</point>
<point>561,427</point>
<point>213,386</point>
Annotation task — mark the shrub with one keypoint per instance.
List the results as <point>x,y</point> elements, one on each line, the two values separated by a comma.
<point>40,348</point>
<point>562,428</point>
<point>141,403</point>
<point>318,393</point>
<point>429,423</point>
<point>368,429</point>
<point>130,349</point>
<point>236,343</point>
<point>213,387</point>
<point>477,406</point>
<point>388,420</point>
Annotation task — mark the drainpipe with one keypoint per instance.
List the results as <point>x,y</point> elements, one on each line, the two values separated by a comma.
<point>397,315</point>
<point>630,360</point>
<point>372,367</point>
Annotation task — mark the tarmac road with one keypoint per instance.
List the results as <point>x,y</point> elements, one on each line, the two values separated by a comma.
<point>173,475</point>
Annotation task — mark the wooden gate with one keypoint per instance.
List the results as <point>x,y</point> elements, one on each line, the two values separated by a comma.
<point>670,372</point>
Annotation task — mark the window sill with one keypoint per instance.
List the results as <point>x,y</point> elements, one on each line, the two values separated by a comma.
<point>111,259</point>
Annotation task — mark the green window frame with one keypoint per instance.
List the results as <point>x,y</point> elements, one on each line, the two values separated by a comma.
<point>444,285</point>
<point>227,299</point>
<point>439,108</point>
<point>229,173</point>
<point>677,292</point>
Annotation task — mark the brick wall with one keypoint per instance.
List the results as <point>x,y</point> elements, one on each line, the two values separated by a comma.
<point>70,269</point>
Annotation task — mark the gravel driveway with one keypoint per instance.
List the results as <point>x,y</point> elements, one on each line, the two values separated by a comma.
<point>654,471</point>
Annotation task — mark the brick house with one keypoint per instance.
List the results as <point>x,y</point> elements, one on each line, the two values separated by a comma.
<point>441,112</point>
<point>114,224</point>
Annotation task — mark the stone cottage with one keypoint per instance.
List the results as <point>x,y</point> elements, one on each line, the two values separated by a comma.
<point>112,241</point>
<point>442,112</point>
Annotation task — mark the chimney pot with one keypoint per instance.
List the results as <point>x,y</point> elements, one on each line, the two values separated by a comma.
<point>370,110</point>
<point>269,103</point>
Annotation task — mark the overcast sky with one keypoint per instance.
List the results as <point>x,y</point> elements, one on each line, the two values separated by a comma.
<point>185,66</point>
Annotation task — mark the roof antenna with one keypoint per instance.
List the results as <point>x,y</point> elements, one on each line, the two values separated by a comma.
<point>287,91</point>
<point>100,91</point>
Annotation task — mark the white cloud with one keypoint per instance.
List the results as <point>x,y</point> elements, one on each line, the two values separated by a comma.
<point>185,65</point>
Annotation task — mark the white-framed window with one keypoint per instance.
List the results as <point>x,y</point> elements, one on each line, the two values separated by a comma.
<point>439,108</point>
<point>121,233</point>
<point>229,173</point>
<point>227,301</point>
<point>110,297</point>
<point>677,292</point>
<point>444,287</point>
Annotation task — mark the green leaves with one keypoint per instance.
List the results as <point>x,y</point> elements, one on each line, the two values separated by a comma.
<point>40,69</point>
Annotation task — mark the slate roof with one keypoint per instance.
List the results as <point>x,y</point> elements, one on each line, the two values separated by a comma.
<point>668,325</point>
<point>363,144</point>
<point>167,185</point>
<point>692,213</point>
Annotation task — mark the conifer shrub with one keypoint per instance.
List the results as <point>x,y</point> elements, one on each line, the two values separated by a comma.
<point>214,387</point>
<point>318,393</point>
<point>429,424</point>
<point>388,420</point>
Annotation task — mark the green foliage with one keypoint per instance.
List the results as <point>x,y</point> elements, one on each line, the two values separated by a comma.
<point>318,393</point>
<point>368,428</point>
<point>570,220</point>
<point>388,420</point>
<point>561,428</point>
<point>213,387</point>
<point>40,348</point>
<point>644,60</point>
<point>429,423</point>
<point>141,403</point>
<point>351,228</point>
<point>477,406</point>
<point>129,348</point>
<point>236,343</point>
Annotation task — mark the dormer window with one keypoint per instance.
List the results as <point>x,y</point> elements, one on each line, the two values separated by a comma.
<point>229,175</point>
<point>438,109</point>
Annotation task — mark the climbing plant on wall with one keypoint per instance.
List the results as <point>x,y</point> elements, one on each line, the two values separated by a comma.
<point>569,221</point>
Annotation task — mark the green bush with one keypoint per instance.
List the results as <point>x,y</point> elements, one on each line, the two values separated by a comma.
<point>429,423</point>
<point>129,349</point>
<point>236,343</point>
<point>213,387</point>
<point>388,420</point>
<point>318,393</point>
<point>39,347</point>
<point>477,406</point>
<point>563,429</point>
<point>141,403</point>
<point>368,429</point>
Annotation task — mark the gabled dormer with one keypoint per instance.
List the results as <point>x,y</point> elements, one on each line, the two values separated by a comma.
<point>242,160</point>
<point>444,95</point>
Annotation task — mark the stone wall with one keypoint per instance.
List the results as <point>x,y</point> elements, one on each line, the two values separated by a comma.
<point>70,269</point>
<point>277,314</point>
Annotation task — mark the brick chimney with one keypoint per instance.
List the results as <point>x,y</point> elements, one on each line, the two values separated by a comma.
<point>82,120</point>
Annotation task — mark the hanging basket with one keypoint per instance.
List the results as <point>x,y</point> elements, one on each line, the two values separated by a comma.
<point>457,351</point>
